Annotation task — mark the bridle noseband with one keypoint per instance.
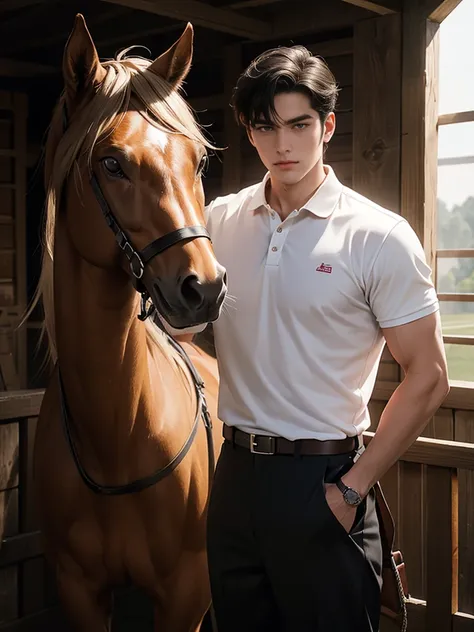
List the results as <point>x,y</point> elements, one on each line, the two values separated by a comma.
<point>138,260</point>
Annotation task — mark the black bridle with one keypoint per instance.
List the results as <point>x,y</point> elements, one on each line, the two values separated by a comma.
<point>138,260</point>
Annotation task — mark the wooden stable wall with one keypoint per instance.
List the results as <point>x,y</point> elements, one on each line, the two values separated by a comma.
<point>13,115</point>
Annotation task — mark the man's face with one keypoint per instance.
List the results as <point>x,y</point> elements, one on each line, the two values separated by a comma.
<point>290,150</point>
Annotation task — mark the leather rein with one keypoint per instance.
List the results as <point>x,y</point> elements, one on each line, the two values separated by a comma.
<point>138,260</point>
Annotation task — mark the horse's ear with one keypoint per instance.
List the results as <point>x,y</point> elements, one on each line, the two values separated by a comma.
<point>81,65</point>
<point>174,64</point>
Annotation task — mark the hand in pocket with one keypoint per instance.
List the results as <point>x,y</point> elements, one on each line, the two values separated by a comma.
<point>342,511</point>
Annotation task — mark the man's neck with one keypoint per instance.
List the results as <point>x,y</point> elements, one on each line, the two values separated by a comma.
<point>284,199</point>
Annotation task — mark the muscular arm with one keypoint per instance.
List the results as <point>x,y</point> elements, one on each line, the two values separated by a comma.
<point>418,348</point>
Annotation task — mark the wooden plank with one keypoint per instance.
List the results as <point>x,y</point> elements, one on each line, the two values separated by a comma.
<point>339,148</point>
<point>231,176</point>
<point>20,404</point>
<point>377,93</point>
<point>463,622</point>
<point>9,456</point>
<point>441,426</point>
<point>456,117</point>
<point>21,547</point>
<point>201,14</point>
<point>464,431</point>
<point>314,17</point>
<point>250,4</point>
<point>459,340</point>
<point>386,7</point>
<point>9,521</point>
<point>464,253</point>
<point>342,68</point>
<point>332,48</point>
<point>419,124</point>
<point>8,594</point>
<point>375,410</point>
<point>390,484</point>
<point>442,547</point>
<point>438,10</point>
<point>345,100</point>
<point>427,451</point>
<point>389,371</point>
<point>8,5</point>
<point>411,534</point>
<point>33,589</point>
<point>467,297</point>
<point>461,394</point>
<point>20,102</point>
<point>51,619</point>
<point>29,519</point>
<point>17,68</point>
<point>213,102</point>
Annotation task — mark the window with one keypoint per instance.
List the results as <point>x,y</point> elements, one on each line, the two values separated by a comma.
<point>455,230</point>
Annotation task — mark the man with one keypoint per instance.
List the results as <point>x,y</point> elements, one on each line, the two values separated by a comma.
<point>319,278</point>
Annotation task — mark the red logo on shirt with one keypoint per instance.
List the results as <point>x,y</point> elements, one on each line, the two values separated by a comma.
<point>324,268</point>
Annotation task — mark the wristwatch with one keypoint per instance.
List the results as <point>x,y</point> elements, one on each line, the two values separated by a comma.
<point>351,496</point>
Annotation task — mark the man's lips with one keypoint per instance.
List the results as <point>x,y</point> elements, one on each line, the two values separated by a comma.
<point>286,162</point>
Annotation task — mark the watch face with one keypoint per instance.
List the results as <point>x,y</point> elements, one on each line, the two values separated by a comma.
<point>352,497</point>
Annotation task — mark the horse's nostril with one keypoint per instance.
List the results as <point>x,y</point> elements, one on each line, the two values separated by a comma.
<point>191,290</point>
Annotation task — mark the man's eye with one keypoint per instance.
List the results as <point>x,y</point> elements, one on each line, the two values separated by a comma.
<point>112,166</point>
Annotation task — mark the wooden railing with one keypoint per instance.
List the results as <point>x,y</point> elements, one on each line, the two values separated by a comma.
<point>425,491</point>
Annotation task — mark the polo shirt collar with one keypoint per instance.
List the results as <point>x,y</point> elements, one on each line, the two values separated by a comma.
<point>321,204</point>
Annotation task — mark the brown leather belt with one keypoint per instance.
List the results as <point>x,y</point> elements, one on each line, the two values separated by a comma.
<point>262,444</point>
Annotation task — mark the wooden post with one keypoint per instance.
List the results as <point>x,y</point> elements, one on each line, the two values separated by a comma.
<point>376,129</point>
<point>419,124</point>
<point>231,166</point>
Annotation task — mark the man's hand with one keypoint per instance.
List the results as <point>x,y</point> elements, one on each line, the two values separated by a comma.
<point>342,511</point>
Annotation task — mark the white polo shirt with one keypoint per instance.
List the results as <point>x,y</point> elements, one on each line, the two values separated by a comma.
<point>299,341</point>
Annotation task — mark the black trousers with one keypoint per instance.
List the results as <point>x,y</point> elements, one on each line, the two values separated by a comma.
<point>279,560</point>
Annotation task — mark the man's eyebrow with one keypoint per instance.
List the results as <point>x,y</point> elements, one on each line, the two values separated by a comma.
<point>297,119</point>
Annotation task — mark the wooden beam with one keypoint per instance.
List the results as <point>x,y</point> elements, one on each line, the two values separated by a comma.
<point>437,10</point>
<point>249,4</point>
<point>15,68</point>
<point>317,17</point>
<point>10,5</point>
<point>384,7</point>
<point>122,39</point>
<point>21,44</point>
<point>419,157</point>
<point>232,156</point>
<point>377,106</point>
<point>202,14</point>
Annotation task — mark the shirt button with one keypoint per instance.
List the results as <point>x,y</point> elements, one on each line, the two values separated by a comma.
<point>279,229</point>
<point>274,249</point>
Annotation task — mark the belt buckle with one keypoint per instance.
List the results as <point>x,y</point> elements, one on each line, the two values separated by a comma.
<point>254,444</point>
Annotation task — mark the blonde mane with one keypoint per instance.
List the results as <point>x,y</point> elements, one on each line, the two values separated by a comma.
<point>128,83</point>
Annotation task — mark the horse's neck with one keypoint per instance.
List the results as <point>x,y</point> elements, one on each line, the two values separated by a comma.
<point>102,350</point>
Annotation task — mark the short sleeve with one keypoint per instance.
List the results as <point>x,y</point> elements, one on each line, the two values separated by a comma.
<point>400,289</point>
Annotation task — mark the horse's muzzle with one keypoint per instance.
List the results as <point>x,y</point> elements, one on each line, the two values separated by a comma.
<point>189,301</point>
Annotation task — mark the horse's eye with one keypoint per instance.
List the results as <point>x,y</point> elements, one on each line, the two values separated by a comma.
<point>203,165</point>
<point>112,166</point>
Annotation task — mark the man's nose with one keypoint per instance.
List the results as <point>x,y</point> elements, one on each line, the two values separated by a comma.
<point>283,141</point>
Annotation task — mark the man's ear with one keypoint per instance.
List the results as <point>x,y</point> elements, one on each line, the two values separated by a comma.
<point>174,64</point>
<point>82,69</point>
<point>329,127</point>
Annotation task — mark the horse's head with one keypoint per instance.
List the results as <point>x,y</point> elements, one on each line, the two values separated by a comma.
<point>137,153</point>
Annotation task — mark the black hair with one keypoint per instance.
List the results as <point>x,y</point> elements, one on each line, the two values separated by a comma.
<point>280,70</point>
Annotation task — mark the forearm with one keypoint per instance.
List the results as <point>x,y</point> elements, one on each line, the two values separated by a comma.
<point>403,420</point>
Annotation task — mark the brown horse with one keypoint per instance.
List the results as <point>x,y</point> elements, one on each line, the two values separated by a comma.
<point>123,144</point>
